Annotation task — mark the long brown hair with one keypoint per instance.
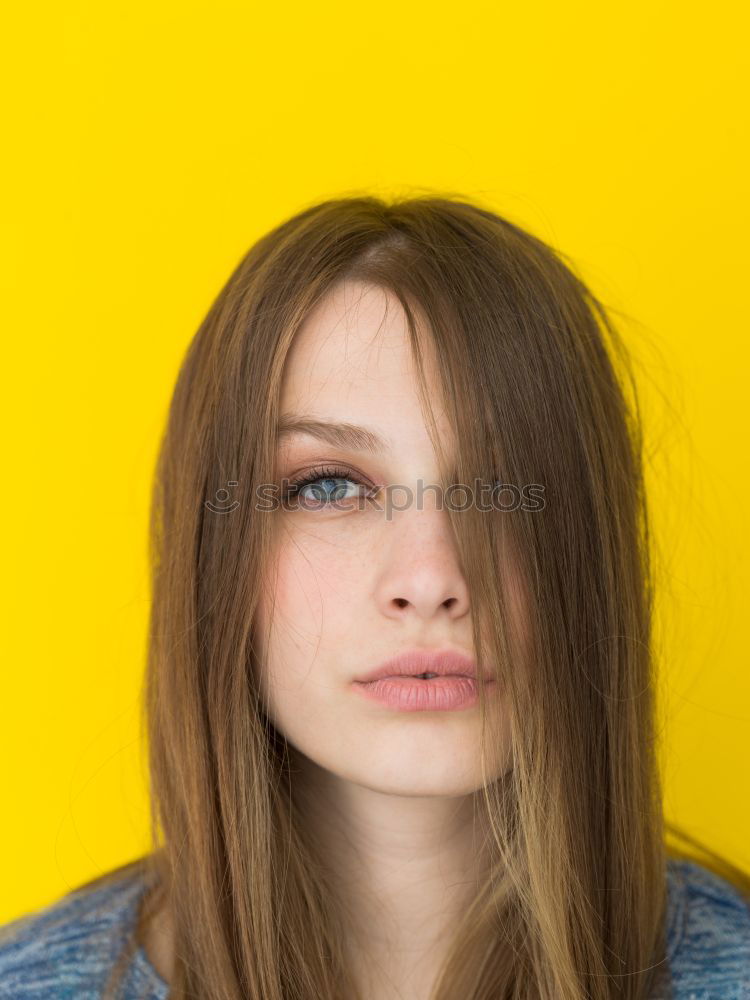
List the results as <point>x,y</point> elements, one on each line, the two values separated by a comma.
<point>540,390</point>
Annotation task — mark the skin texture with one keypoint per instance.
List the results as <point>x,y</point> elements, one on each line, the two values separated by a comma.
<point>389,795</point>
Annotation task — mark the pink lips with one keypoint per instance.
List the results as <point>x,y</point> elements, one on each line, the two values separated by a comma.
<point>397,685</point>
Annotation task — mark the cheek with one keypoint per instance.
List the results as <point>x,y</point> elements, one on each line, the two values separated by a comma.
<point>287,581</point>
<point>519,608</point>
<point>303,635</point>
<point>295,588</point>
<point>307,603</point>
<point>518,605</point>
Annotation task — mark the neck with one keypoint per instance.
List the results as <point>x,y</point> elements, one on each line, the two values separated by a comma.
<point>404,867</point>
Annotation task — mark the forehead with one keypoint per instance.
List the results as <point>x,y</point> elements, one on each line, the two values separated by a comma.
<point>356,335</point>
<point>351,360</point>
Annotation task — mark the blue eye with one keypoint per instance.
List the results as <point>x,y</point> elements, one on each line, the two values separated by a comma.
<point>327,486</point>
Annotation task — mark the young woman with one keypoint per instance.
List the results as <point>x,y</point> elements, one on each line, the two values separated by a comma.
<point>404,442</point>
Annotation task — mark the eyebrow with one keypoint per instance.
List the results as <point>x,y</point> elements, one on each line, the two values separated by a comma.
<point>348,437</point>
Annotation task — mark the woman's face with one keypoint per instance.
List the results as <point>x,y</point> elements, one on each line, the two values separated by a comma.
<point>352,587</point>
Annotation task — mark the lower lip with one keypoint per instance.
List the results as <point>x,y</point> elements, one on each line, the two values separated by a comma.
<point>415,694</point>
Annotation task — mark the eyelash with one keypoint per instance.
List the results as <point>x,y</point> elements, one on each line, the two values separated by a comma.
<point>326,472</point>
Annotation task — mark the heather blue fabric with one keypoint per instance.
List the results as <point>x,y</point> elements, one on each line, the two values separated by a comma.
<point>65,950</point>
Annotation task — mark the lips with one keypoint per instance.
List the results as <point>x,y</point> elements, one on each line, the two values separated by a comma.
<point>413,662</point>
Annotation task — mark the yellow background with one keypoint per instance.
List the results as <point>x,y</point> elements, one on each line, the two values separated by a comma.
<point>148,145</point>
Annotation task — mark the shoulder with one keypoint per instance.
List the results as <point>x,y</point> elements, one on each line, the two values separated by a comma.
<point>708,942</point>
<point>67,949</point>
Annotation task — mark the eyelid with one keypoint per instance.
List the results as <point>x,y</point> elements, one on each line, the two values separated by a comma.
<point>323,472</point>
<point>327,469</point>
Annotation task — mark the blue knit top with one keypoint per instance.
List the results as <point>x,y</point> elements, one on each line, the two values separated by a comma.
<point>65,950</point>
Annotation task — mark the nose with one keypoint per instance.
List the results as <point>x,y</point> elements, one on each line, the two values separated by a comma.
<point>420,573</point>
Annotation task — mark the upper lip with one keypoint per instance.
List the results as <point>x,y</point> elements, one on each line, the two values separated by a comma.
<point>447,662</point>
